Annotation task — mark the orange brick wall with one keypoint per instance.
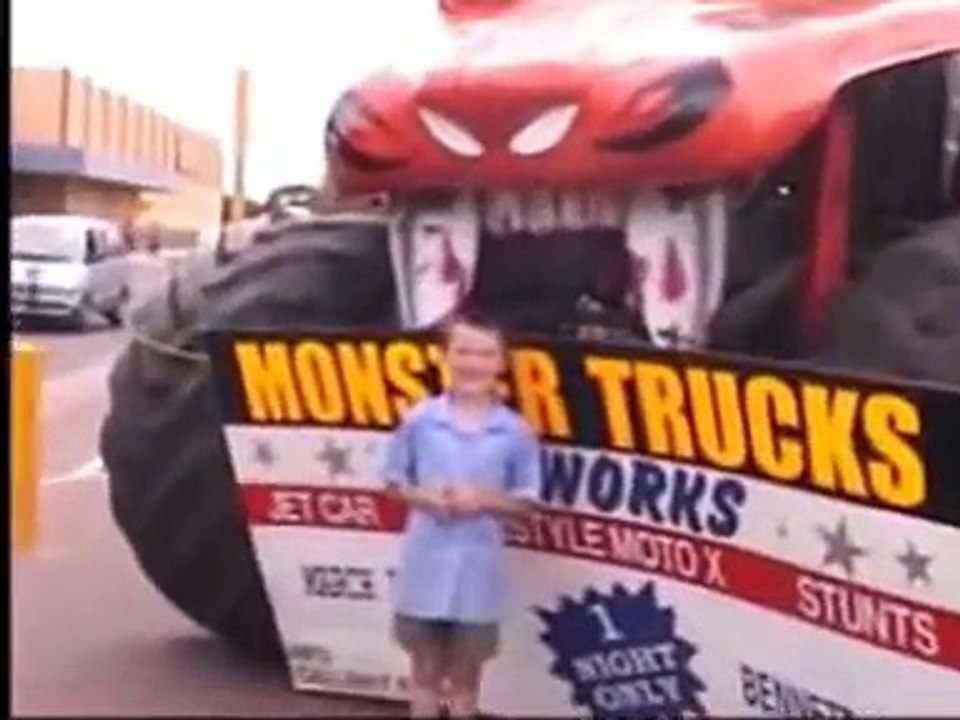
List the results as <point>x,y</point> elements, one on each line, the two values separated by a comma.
<point>100,200</point>
<point>55,107</point>
<point>180,209</point>
<point>37,195</point>
<point>37,100</point>
<point>74,113</point>
<point>134,130</point>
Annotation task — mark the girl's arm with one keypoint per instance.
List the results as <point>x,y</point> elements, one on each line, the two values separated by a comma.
<point>521,495</point>
<point>422,498</point>
<point>525,479</point>
<point>401,473</point>
<point>502,503</point>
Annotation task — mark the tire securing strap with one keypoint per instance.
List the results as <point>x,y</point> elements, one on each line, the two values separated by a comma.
<point>171,351</point>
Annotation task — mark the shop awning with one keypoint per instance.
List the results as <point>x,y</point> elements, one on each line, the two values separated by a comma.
<point>55,160</point>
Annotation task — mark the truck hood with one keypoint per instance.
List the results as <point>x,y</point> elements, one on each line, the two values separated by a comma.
<point>600,92</point>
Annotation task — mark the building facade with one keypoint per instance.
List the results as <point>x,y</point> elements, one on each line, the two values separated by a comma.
<point>79,148</point>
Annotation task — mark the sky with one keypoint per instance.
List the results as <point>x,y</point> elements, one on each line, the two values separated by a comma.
<point>179,57</point>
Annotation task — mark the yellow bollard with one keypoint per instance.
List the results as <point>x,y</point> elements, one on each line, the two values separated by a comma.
<point>25,389</point>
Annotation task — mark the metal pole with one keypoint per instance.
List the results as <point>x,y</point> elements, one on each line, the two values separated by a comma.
<point>240,129</point>
<point>26,385</point>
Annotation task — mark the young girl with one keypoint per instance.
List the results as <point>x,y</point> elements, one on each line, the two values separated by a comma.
<point>462,461</point>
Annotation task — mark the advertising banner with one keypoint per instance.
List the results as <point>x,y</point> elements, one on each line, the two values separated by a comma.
<point>717,536</point>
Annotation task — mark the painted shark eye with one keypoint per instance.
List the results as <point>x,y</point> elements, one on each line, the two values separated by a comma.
<point>453,137</point>
<point>545,132</point>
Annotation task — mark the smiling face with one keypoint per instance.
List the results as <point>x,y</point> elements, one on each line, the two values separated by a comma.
<point>475,357</point>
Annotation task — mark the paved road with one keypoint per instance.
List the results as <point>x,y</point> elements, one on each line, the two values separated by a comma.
<point>90,635</point>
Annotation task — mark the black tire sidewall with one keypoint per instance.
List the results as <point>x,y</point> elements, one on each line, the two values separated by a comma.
<point>172,489</point>
<point>901,318</point>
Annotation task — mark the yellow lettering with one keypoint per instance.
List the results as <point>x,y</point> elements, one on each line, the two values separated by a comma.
<point>771,405</point>
<point>537,385</point>
<point>610,374</point>
<point>435,358</point>
<point>718,423</point>
<point>665,422</point>
<point>403,361</point>
<point>269,388</point>
<point>830,420</point>
<point>899,478</point>
<point>322,393</point>
<point>364,383</point>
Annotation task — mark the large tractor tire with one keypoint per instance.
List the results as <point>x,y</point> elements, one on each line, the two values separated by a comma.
<point>901,317</point>
<point>172,491</point>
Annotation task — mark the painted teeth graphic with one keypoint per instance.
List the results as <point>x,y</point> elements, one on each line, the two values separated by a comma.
<point>676,250</point>
<point>542,212</point>
<point>443,246</point>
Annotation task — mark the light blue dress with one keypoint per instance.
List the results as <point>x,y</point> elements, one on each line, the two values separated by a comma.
<point>453,569</point>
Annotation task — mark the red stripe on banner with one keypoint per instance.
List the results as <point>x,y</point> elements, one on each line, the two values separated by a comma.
<point>327,507</point>
<point>885,621</point>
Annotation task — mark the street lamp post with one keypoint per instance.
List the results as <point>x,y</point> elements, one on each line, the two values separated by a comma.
<point>240,130</point>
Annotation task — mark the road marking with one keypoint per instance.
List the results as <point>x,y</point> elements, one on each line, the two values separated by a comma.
<point>91,470</point>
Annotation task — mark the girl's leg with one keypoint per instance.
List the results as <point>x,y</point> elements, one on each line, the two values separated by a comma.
<point>425,685</point>
<point>422,640</point>
<point>472,646</point>
<point>464,689</point>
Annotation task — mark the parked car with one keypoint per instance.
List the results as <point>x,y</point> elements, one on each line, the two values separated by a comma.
<point>68,267</point>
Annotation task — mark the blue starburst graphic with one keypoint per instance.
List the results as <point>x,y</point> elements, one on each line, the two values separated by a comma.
<point>621,654</point>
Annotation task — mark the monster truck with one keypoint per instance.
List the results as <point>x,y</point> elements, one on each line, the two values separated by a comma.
<point>772,177</point>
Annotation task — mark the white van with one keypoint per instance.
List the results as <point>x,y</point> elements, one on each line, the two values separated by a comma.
<point>69,267</point>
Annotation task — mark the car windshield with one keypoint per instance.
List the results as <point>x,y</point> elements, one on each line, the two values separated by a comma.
<point>32,240</point>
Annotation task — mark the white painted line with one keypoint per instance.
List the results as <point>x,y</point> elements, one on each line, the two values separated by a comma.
<point>90,470</point>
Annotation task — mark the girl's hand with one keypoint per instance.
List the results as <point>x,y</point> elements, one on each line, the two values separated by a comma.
<point>437,503</point>
<point>467,501</point>
<point>434,502</point>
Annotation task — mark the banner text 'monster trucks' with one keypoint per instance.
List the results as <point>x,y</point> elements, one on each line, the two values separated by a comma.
<point>856,442</point>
